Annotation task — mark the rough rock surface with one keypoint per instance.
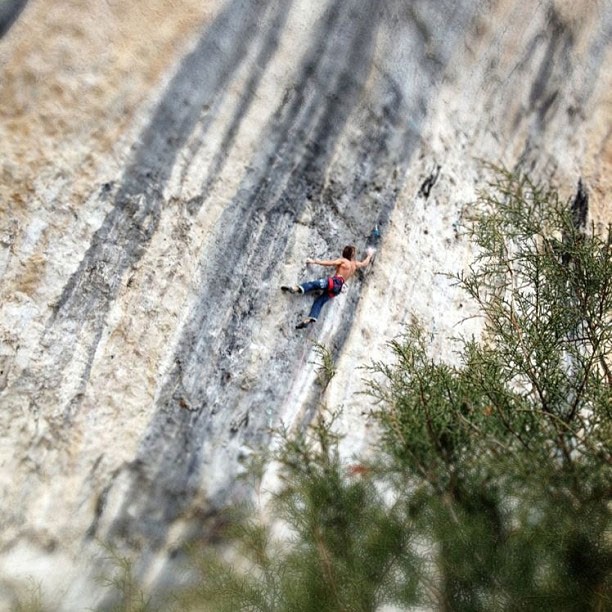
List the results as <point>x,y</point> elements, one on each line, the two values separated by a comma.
<point>164,171</point>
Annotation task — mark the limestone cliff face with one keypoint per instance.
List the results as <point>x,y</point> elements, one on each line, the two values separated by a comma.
<point>164,171</point>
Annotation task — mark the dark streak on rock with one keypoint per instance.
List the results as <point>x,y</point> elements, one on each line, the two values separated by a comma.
<point>557,56</point>
<point>556,68</point>
<point>580,207</point>
<point>266,52</point>
<point>122,238</point>
<point>9,13</point>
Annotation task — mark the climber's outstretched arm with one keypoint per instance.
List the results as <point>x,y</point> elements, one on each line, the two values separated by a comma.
<point>324,262</point>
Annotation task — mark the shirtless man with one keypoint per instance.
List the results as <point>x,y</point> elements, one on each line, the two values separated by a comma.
<point>346,266</point>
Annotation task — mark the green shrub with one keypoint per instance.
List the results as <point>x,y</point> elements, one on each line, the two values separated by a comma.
<point>346,549</point>
<point>327,368</point>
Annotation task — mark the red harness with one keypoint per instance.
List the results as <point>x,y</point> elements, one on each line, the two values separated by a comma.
<point>334,285</point>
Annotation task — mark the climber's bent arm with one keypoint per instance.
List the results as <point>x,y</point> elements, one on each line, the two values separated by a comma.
<point>366,261</point>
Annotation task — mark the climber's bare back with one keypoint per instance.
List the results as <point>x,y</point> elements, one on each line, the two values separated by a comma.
<point>344,267</point>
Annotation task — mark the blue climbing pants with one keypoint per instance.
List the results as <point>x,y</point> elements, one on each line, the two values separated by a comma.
<point>321,284</point>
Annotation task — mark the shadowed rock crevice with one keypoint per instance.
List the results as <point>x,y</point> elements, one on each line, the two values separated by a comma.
<point>580,206</point>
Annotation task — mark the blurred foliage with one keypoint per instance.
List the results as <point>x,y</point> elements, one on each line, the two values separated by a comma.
<point>124,592</point>
<point>507,457</point>
<point>346,548</point>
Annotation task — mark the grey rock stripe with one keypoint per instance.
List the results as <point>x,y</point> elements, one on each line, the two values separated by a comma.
<point>119,243</point>
<point>9,13</point>
<point>279,12</point>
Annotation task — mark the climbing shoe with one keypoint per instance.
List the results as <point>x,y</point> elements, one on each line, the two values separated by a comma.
<point>293,289</point>
<point>305,323</point>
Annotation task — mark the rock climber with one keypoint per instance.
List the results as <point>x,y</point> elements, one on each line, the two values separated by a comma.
<point>331,286</point>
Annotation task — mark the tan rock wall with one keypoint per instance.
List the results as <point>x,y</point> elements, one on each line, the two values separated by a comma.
<point>165,169</point>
